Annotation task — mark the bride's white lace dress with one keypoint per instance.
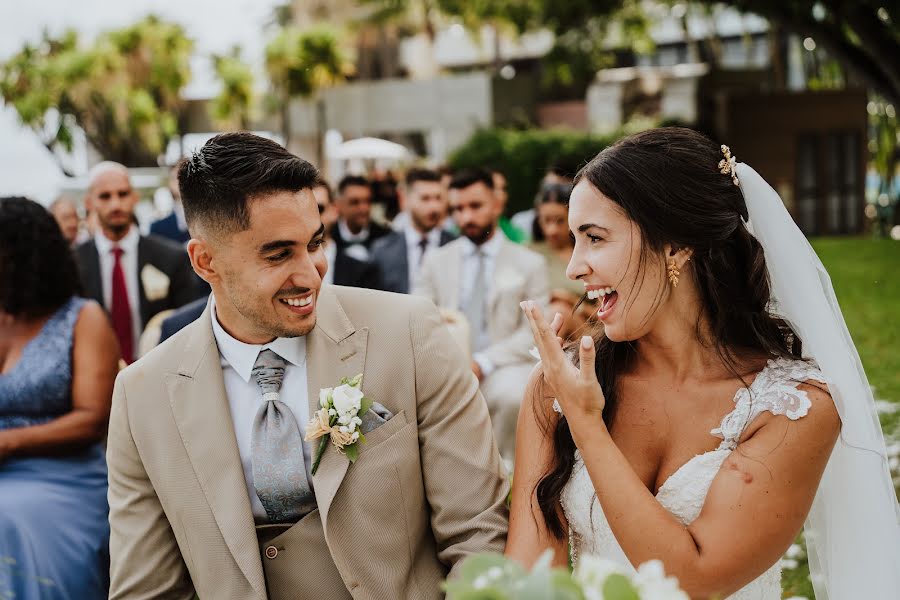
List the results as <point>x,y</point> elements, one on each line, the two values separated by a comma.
<point>774,390</point>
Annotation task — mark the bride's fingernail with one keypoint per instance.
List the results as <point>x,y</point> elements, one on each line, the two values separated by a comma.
<point>587,342</point>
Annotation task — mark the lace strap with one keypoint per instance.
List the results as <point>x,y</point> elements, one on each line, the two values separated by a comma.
<point>775,390</point>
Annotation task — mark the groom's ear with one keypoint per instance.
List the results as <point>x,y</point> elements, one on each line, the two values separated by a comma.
<point>200,252</point>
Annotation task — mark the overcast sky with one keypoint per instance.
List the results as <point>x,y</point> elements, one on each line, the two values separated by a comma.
<point>215,25</point>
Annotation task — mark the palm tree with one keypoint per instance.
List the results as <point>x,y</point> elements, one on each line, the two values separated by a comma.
<point>299,64</point>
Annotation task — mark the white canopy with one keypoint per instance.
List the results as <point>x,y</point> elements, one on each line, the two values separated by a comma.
<point>369,148</point>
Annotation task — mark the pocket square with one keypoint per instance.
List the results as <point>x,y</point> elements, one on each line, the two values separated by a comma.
<point>375,418</point>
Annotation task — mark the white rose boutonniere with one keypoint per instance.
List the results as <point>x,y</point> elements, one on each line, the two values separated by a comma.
<point>338,419</point>
<point>155,283</point>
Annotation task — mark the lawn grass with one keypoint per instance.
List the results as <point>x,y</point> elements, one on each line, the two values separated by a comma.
<point>865,273</point>
<point>866,276</point>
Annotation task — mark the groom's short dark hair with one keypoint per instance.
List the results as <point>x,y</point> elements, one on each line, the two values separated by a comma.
<point>218,180</point>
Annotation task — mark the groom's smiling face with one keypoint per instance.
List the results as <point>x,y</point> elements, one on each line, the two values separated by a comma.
<point>268,276</point>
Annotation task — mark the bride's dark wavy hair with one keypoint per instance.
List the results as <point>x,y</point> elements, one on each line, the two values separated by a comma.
<point>667,181</point>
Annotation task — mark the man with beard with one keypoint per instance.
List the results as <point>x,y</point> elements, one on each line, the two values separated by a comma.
<point>485,276</point>
<point>214,491</point>
<point>400,254</point>
<point>134,277</point>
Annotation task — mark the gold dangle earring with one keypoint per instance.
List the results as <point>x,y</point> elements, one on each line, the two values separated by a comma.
<point>673,273</point>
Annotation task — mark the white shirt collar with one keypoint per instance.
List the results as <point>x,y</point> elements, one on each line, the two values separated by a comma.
<point>413,236</point>
<point>242,356</point>
<point>128,244</point>
<point>349,236</point>
<point>490,248</point>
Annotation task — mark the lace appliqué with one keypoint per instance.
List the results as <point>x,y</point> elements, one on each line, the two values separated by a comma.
<point>774,390</point>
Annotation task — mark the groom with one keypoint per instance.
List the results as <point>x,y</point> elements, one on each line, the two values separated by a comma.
<point>210,485</point>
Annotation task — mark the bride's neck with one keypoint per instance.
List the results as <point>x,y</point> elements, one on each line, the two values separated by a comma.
<point>672,346</point>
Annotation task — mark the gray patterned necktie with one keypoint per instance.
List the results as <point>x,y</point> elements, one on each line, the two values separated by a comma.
<point>279,474</point>
<point>476,307</point>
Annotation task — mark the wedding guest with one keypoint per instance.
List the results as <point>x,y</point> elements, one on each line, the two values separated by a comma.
<point>553,241</point>
<point>559,172</point>
<point>173,226</point>
<point>510,230</point>
<point>132,276</point>
<point>58,362</point>
<point>349,265</point>
<point>399,255</point>
<point>355,225</point>
<point>486,276</point>
<point>65,212</point>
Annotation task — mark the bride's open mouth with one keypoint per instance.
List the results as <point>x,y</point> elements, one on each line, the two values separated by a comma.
<point>607,296</point>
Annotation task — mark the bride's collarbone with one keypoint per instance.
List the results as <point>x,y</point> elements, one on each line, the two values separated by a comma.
<point>660,431</point>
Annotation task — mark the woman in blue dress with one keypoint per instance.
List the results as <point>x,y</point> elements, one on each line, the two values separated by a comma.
<point>58,362</point>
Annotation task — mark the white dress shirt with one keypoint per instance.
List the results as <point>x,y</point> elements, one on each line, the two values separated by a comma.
<point>129,261</point>
<point>491,249</point>
<point>414,251</point>
<point>358,239</point>
<point>245,397</point>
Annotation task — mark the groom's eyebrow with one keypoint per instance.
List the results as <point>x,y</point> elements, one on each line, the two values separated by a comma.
<point>279,244</point>
<point>276,245</point>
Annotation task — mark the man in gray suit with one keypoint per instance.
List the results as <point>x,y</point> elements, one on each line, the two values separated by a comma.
<point>400,254</point>
<point>485,276</point>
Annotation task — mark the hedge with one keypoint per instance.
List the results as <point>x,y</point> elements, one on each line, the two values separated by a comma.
<point>525,155</point>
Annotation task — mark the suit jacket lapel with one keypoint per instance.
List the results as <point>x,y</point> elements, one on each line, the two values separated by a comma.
<point>143,259</point>
<point>92,276</point>
<point>334,349</point>
<point>200,406</point>
<point>403,266</point>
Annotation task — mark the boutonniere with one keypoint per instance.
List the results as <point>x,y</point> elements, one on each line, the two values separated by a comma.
<point>338,419</point>
<point>155,282</point>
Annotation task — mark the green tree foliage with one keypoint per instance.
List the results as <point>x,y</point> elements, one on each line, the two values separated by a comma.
<point>233,107</point>
<point>863,35</point>
<point>299,63</point>
<point>123,90</point>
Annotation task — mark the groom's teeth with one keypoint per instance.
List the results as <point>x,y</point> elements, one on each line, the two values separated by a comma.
<point>298,301</point>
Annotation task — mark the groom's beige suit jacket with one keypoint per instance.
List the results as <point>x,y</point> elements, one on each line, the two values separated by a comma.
<point>427,490</point>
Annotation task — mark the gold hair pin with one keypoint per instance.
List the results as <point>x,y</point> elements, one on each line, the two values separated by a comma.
<point>728,165</point>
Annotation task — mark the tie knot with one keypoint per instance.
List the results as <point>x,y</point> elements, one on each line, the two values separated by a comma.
<point>268,372</point>
<point>423,243</point>
<point>117,251</point>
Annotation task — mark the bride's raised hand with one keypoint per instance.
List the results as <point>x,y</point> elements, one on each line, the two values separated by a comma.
<point>576,388</point>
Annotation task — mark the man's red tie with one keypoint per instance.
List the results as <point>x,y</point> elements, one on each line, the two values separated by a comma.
<point>120,309</point>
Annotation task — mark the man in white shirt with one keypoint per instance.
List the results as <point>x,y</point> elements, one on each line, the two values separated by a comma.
<point>132,276</point>
<point>485,276</point>
<point>399,255</point>
<point>355,226</point>
<point>211,485</point>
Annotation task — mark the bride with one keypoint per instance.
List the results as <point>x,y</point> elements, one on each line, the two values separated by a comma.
<point>722,406</point>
